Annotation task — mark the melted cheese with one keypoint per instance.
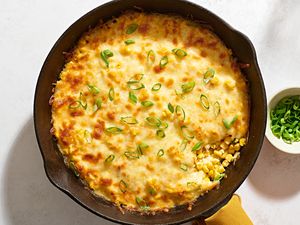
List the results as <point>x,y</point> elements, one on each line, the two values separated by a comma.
<point>112,164</point>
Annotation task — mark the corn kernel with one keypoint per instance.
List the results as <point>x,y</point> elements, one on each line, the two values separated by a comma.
<point>118,65</point>
<point>224,155</point>
<point>199,165</point>
<point>221,169</point>
<point>200,156</point>
<point>215,161</point>
<point>218,153</point>
<point>206,179</point>
<point>224,146</point>
<point>207,147</point>
<point>211,173</point>
<point>229,84</point>
<point>188,120</point>
<point>215,81</point>
<point>231,149</point>
<point>242,141</point>
<point>225,163</point>
<point>209,165</point>
<point>229,158</point>
<point>227,140</point>
<point>124,50</point>
<point>236,147</point>
<point>205,169</point>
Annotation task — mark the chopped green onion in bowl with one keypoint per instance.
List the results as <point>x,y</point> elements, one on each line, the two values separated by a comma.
<point>275,119</point>
<point>285,119</point>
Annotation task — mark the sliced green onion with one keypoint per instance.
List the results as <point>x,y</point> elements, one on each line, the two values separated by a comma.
<point>76,104</point>
<point>105,55</point>
<point>108,53</point>
<point>160,133</point>
<point>183,144</point>
<point>228,124</point>
<point>147,103</point>
<point>135,78</point>
<point>93,89</point>
<point>73,168</point>
<point>179,111</point>
<point>138,200</point>
<point>160,153</point>
<point>123,186</point>
<point>129,42</point>
<point>151,57</point>
<point>197,146</point>
<point>156,87</point>
<point>171,108</point>
<point>114,130</point>
<point>135,85</point>
<point>217,108</point>
<point>132,155</point>
<point>129,120</point>
<point>208,75</point>
<point>110,158</point>
<point>163,125</point>
<point>98,104</point>
<point>179,52</point>
<point>152,191</point>
<point>164,61</point>
<point>178,92</point>
<point>204,101</point>
<point>132,97</point>
<point>84,105</point>
<point>184,167</point>
<point>219,177</point>
<point>142,203</point>
<point>142,147</point>
<point>153,121</point>
<point>111,94</point>
<point>87,136</point>
<point>145,208</point>
<point>188,134</point>
<point>188,87</point>
<point>131,28</point>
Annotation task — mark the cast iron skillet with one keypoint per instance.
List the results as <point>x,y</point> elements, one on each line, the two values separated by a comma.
<point>63,178</point>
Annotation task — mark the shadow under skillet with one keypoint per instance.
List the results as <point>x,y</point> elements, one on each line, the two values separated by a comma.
<point>276,174</point>
<point>29,198</point>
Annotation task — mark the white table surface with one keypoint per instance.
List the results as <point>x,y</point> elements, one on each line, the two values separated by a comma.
<point>28,30</point>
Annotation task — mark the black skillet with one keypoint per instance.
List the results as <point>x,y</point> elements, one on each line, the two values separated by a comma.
<point>61,177</point>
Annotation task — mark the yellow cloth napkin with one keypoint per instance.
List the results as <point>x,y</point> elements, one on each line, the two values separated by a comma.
<point>230,214</point>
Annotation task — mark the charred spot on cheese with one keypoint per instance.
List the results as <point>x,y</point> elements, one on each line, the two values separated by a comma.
<point>148,108</point>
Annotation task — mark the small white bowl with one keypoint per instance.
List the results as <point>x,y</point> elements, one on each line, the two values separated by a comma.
<point>293,148</point>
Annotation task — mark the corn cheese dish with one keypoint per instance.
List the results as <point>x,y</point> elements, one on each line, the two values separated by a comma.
<point>150,110</point>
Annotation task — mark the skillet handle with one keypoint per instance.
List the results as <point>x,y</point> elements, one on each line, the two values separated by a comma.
<point>230,214</point>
